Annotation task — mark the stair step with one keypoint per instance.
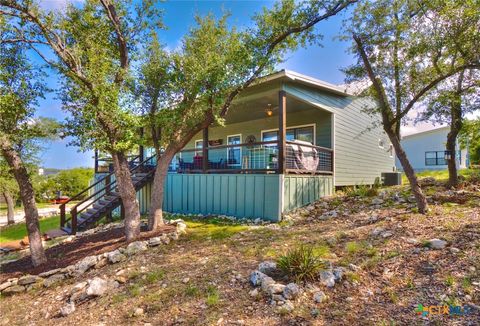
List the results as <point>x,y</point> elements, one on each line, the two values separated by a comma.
<point>66,229</point>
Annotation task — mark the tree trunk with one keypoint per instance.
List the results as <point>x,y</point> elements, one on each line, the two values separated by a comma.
<point>456,124</point>
<point>422,204</point>
<point>27,196</point>
<point>156,207</point>
<point>10,208</point>
<point>128,196</point>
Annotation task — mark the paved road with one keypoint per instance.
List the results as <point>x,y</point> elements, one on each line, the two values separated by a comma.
<point>20,215</point>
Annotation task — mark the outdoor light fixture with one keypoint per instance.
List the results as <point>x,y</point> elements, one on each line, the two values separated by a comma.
<point>269,110</point>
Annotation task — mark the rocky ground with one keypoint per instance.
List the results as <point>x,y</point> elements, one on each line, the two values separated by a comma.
<point>392,259</point>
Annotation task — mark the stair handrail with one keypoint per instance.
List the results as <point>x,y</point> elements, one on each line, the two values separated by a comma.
<point>63,219</point>
<point>74,210</point>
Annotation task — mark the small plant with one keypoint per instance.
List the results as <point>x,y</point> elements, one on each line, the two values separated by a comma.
<point>155,276</point>
<point>301,263</point>
<point>353,247</point>
<point>212,296</point>
<point>192,291</point>
<point>362,191</point>
<point>449,281</point>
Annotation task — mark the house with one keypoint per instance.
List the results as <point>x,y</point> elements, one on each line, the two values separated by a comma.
<point>426,150</point>
<point>288,141</point>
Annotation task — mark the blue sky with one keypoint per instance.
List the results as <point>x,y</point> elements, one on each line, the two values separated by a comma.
<point>320,62</point>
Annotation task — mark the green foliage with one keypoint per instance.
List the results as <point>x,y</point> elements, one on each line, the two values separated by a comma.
<point>69,182</point>
<point>213,296</point>
<point>301,263</point>
<point>470,137</point>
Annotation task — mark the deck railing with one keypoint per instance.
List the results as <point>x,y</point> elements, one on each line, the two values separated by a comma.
<point>257,157</point>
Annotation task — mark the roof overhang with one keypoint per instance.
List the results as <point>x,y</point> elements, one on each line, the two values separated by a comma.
<point>288,75</point>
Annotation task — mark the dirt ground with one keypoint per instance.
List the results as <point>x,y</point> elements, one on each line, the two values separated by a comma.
<point>202,279</point>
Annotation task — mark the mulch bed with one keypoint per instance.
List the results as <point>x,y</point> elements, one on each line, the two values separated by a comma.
<point>69,253</point>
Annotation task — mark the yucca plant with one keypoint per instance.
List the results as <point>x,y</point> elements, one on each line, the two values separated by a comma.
<point>301,263</point>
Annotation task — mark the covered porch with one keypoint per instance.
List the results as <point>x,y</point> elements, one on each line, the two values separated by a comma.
<point>266,132</point>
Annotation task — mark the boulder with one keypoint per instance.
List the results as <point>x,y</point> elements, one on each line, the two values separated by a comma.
<point>85,264</point>
<point>29,279</point>
<point>50,272</point>
<point>291,291</point>
<point>327,278</point>
<point>136,247</point>
<point>268,267</point>
<point>115,256</point>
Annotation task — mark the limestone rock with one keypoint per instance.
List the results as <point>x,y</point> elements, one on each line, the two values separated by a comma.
<point>85,264</point>
<point>98,287</point>
<point>291,291</point>
<point>53,279</point>
<point>338,273</point>
<point>115,256</point>
<point>319,297</point>
<point>136,247</point>
<point>256,278</point>
<point>50,272</point>
<point>13,289</point>
<point>437,244</point>
<point>28,279</point>
<point>266,282</point>
<point>275,288</point>
<point>67,309</point>
<point>7,284</point>
<point>327,278</point>
<point>268,267</point>
<point>155,241</point>
<point>138,312</point>
<point>287,307</point>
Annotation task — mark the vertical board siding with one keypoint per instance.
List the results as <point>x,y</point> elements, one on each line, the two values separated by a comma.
<point>303,190</point>
<point>242,195</point>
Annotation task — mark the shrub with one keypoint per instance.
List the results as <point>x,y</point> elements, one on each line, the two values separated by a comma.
<point>301,263</point>
<point>362,191</point>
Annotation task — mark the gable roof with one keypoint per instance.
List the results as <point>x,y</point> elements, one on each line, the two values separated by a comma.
<point>303,79</point>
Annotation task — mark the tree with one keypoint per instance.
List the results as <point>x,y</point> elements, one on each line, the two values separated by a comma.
<point>470,138</point>
<point>185,91</point>
<point>20,87</point>
<point>449,104</point>
<point>8,189</point>
<point>406,49</point>
<point>93,44</point>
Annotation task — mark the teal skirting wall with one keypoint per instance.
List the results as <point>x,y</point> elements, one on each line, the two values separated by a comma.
<point>303,190</point>
<point>240,195</point>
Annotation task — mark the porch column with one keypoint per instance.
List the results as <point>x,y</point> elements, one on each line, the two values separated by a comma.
<point>140,148</point>
<point>96,161</point>
<point>205,150</point>
<point>282,130</point>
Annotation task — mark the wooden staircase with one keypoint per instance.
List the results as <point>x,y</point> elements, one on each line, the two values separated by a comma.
<point>104,197</point>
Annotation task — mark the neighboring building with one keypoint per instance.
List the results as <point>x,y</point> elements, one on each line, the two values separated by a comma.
<point>426,150</point>
<point>247,171</point>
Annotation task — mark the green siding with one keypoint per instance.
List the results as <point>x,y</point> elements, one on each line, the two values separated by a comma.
<point>303,190</point>
<point>358,157</point>
<point>240,195</point>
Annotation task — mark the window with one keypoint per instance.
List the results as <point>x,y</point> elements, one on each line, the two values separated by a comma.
<point>390,150</point>
<point>234,153</point>
<point>435,158</point>
<point>294,133</point>
<point>199,145</point>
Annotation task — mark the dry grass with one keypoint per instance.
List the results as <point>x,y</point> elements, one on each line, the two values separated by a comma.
<point>390,282</point>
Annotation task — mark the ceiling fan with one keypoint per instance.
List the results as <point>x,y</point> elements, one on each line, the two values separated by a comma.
<point>269,109</point>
